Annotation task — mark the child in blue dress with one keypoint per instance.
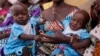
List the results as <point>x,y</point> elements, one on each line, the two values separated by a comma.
<point>23,35</point>
<point>76,31</point>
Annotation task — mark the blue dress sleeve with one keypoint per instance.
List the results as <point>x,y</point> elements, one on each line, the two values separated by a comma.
<point>84,35</point>
<point>16,31</point>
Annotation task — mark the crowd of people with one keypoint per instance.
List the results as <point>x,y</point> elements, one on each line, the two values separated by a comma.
<point>27,29</point>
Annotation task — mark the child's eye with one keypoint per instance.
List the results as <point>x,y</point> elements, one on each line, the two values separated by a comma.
<point>23,13</point>
<point>73,19</point>
<point>15,14</point>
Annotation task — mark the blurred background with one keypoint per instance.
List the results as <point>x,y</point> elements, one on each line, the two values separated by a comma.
<point>82,4</point>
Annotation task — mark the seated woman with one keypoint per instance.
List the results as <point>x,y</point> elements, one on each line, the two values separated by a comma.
<point>75,29</point>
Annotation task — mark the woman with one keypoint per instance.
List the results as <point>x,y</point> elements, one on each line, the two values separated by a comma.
<point>56,19</point>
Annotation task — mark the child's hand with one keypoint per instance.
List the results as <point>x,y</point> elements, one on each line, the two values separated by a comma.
<point>74,45</point>
<point>45,39</point>
<point>41,33</point>
<point>44,35</point>
<point>74,38</point>
<point>37,38</point>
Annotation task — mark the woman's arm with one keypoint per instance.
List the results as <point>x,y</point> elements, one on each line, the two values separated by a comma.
<point>57,38</point>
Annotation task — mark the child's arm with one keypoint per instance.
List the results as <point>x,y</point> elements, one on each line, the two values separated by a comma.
<point>57,38</point>
<point>84,40</point>
<point>30,37</point>
<point>81,44</point>
<point>18,33</point>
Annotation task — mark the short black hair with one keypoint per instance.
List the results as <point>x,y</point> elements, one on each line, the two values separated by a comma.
<point>20,4</point>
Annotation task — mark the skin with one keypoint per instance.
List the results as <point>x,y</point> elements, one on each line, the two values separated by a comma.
<point>60,8</point>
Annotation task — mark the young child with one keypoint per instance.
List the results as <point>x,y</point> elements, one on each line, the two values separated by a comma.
<point>23,33</point>
<point>75,28</point>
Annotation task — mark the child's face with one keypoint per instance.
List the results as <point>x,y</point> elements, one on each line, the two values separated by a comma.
<point>77,22</point>
<point>20,15</point>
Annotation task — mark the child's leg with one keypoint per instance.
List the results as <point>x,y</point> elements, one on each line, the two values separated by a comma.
<point>22,51</point>
<point>26,52</point>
